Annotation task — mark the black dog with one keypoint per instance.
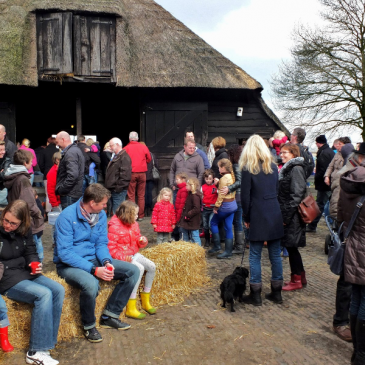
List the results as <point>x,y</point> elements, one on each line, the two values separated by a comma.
<point>233,286</point>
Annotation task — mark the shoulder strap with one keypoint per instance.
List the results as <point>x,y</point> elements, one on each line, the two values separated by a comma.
<point>354,216</point>
<point>153,160</point>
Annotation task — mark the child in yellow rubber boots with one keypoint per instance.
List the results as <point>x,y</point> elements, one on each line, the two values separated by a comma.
<point>125,240</point>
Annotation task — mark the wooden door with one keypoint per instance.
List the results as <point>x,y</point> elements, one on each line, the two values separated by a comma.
<point>54,43</point>
<point>164,129</point>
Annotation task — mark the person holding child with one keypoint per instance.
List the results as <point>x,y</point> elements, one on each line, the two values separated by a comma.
<point>125,240</point>
<point>210,195</point>
<point>224,210</point>
<point>163,215</point>
<point>189,222</point>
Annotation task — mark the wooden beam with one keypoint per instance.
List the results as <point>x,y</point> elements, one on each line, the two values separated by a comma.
<point>78,117</point>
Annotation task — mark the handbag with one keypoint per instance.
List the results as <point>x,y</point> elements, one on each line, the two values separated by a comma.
<point>155,173</point>
<point>308,209</point>
<point>336,249</point>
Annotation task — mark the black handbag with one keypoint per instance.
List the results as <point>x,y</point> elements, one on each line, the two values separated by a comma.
<point>336,249</point>
<point>155,173</point>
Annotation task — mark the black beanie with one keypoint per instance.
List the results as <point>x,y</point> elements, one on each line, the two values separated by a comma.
<point>321,139</point>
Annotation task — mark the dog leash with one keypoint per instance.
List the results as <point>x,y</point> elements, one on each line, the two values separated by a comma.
<point>243,252</point>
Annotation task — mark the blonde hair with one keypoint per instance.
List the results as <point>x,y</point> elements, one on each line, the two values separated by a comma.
<point>107,146</point>
<point>162,192</point>
<point>227,164</point>
<point>26,142</point>
<point>89,142</point>
<point>126,212</point>
<point>256,156</point>
<point>279,134</point>
<point>194,183</point>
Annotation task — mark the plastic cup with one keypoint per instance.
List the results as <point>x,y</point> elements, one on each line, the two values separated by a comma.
<point>109,268</point>
<point>34,265</point>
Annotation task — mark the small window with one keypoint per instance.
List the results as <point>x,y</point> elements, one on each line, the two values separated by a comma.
<point>80,45</point>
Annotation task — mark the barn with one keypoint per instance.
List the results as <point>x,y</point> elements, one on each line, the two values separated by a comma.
<point>106,67</point>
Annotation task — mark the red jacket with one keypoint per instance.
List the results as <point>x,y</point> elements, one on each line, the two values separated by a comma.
<point>124,240</point>
<point>163,216</point>
<point>54,199</point>
<point>181,196</point>
<point>210,195</point>
<point>276,143</point>
<point>139,154</point>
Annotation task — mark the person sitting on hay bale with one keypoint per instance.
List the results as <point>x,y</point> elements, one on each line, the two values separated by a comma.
<point>82,257</point>
<point>125,240</point>
<point>4,321</point>
<point>22,281</point>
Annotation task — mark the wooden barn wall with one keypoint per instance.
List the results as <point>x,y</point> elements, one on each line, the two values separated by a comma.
<point>223,121</point>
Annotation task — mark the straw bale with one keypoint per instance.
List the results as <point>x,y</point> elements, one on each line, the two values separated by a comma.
<point>180,268</point>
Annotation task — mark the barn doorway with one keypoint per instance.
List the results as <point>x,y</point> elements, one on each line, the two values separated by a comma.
<point>107,111</point>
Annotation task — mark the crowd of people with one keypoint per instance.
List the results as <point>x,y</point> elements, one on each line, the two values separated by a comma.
<point>246,195</point>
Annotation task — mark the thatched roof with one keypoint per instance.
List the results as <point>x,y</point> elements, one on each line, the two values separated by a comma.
<point>154,49</point>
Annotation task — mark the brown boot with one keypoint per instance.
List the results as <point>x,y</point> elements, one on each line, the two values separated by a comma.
<point>343,332</point>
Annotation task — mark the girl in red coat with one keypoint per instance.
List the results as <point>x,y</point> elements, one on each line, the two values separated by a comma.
<point>163,215</point>
<point>181,196</point>
<point>54,199</point>
<point>125,240</point>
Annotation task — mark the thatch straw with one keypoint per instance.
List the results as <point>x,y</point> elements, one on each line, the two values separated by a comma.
<point>181,268</point>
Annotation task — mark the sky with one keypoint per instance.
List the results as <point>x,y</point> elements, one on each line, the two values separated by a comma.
<point>254,34</point>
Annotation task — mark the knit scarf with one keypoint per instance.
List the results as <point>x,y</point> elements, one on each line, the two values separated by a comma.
<point>92,218</point>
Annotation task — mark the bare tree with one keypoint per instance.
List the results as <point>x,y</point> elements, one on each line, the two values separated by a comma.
<point>323,86</point>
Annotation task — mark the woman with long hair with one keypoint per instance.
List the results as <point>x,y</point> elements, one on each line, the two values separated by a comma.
<point>262,215</point>
<point>23,281</point>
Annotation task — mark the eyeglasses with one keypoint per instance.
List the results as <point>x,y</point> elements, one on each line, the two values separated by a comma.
<point>12,224</point>
<point>283,153</point>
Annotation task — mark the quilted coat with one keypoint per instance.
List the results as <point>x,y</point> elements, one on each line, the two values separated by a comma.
<point>181,196</point>
<point>163,216</point>
<point>124,240</point>
<point>292,189</point>
<point>352,188</point>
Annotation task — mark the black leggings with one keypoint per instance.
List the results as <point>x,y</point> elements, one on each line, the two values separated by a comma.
<point>295,261</point>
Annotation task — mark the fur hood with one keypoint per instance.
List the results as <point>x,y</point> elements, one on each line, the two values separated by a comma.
<point>296,161</point>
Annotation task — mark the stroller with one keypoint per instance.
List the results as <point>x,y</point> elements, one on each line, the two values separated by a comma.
<point>332,227</point>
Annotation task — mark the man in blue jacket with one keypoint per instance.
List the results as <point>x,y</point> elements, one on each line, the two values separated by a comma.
<point>82,257</point>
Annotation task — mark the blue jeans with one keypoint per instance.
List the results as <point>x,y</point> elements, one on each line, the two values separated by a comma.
<point>255,260</point>
<point>207,216</point>
<point>38,184</point>
<point>117,199</point>
<point>357,305</point>
<point>88,180</point>
<point>189,235</point>
<point>47,297</point>
<point>31,179</point>
<point>4,320</point>
<point>148,195</point>
<point>3,197</point>
<point>237,219</point>
<point>322,198</point>
<point>39,246</point>
<point>227,217</point>
<point>125,272</point>
<point>67,200</point>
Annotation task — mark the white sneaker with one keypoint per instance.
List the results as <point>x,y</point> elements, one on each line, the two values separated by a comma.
<point>40,358</point>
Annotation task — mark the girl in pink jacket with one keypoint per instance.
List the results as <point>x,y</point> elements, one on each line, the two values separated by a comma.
<point>125,240</point>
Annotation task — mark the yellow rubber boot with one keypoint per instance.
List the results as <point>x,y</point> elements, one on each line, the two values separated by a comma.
<point>132,311</point>
<point>145,298</point>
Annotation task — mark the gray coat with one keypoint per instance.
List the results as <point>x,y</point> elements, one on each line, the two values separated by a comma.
<point>193,166</point>
<point>352,188</point>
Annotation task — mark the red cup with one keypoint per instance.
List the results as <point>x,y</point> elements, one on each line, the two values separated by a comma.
<point>109,268</point>
<point>34,265</point>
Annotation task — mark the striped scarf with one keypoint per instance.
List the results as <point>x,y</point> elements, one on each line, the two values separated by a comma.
<point>92,218</point>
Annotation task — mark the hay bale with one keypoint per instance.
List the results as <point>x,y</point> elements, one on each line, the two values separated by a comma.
<point>180,268</point>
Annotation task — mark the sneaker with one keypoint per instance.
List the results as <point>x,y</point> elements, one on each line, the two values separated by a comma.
<point>140,219</point>
<point>343,332</point>
<point>40,358</point>
<point>93,335</point>
<point>111,322</point>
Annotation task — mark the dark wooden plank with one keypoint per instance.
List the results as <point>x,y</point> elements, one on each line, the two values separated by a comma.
<point>39,43</point>
<point>85,46</point>
<point>95,46</point>
<point>66,61</point>
<point>233,130</point>
<point>243,123</point>
<point>113,50</point>
<point>176,106</point>
<point>150,126</point>
<point>165,150</point>
<point>105,47</point>
<point>159,126</point>
<point>77,45</point>
<point>229,116</point>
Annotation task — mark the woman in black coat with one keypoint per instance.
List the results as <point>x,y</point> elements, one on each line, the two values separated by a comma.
<point>22,281</point>
<point>262,215</point>
<point>292,188</point>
